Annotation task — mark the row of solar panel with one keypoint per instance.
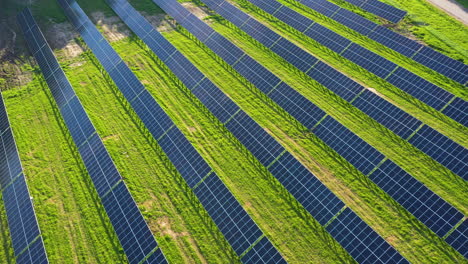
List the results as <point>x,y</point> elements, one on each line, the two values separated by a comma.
<point>405,80</point>
<point>433,212</point>
<point>425,55</point>
<point>26,238</point>
<point>307,189</point>
<point>380,9</point>
<point>449,154</point>
<point>28,246</point>
<point>352,148</point>
<point>232,220</point>
<point>133,232</point>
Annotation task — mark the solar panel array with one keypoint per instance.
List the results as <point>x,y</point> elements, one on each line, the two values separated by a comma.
<point>449,154</point>
<point>355,150</point>
<point>238,228</point>
<point>28,245</point>
<point>360,154</point>
<point>405,80</point>
<point>459,239</point>
<point>425,55</point>
<point>27,242</point>
<point>133,232</point>
<point>300,182</point>
<point>380,9</point>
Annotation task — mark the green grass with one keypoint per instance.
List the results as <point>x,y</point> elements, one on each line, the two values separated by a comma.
<point>389,219</point>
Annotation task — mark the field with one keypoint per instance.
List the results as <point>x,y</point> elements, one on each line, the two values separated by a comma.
<point>73,222</point>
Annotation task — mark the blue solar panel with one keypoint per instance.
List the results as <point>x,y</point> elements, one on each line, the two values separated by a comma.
<point>127,83</point>
<point>362,243</point>
<point>297,105</point>
<point>267,5</point>
<point>293,54</point>
<point>442,149</point>
<point>451,68</point>
<point>395,41</point>
<point>132,231</point>
<point>315,197</point>
<point>156,41</point>
<point>383,10</point>
<point>327,37</point>
<point>35,254</point>
<point>236,225</point>
<point>263,252</point>
<point>351,147</point>
<point>369,60</point>
<point>155,258</point>
<point>228,11</point>
<point>354,21</point>
<point>224,48</point>
<point>335,81</point>
<point>226,212</point>
<point>255,73</point>
<point>99,165</point>
<point>215,100</point>
<point>20,213</point>
<point>193,24</point>
<point>262,33</point>
<point>293,18</point>
<point>322,6</point>
<point>457,110</point>
<point>77,121</point>
<point>254,138</point>
<point>459,239</point>
<point>415,197</point>
<point>420,88</point>
<point>184,157</point>
<point>10,164</point>
<point>184,70</point>
<point>387,114</point>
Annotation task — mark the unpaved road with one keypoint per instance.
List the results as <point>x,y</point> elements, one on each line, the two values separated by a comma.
<point>453,8</point>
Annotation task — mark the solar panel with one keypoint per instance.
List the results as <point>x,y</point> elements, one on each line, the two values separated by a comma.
<point>263,252</point>
<point>20,214</point>
<point>443,150</point>
<point>244,128</point>
<point>264,35</point>
<point>236,225</point>
<point>457,110</point>
<point>395,41</point>
<point>34,254</point>
<point>10,164</point>
<point>297,105</point>
<point>380,9</point>
<point>421,89</point>
<point>185,158</point>
<point>351,147</point>
<point>221,106</point>
<point>415,197</point>
<point>382,111</point>
<point>459,239</point>
<point>255,73</point>
<point>363,243</point>
<point>367,59</point>
<point>293,54</point>
<point>387,114</point>
<point>335,81</point>
<point>136,238</point>
<point>316,198</point>
<point>28,246</point>
<point>322,6</point>
<point>265,148</point>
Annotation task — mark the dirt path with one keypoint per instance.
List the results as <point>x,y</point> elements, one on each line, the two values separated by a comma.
<point>452,8</point>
